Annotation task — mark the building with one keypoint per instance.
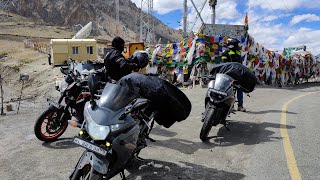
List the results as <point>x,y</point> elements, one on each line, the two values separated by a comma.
<point>77,49</point>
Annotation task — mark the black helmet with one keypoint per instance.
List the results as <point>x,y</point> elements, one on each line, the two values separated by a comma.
<point>233,43</point>
<point>118,43</point>
<point>141,58</point>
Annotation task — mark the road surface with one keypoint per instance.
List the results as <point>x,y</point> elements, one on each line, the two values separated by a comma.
<point>254,149</point>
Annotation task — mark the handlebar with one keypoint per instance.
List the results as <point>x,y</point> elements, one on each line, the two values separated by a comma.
<point>240,87</point>
<point>209,77</point>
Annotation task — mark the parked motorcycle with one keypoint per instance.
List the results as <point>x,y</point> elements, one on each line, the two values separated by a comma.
<point>114,131</point>
<point>53,122</point>
<point>220,97</point>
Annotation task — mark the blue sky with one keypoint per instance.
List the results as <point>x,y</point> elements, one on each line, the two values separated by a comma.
<point>273,23</point>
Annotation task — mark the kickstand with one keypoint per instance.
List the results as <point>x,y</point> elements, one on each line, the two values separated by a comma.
<point>226,125</point>
<point>150,139</point>
<point>139,158</point>
<point>123,176</point>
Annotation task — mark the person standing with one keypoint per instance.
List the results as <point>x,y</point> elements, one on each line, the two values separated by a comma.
<point>233,54</point>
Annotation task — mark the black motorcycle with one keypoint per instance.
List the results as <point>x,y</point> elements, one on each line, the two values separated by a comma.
<point>114,131</point>
<point>225,79</point>
<point>53,122</point>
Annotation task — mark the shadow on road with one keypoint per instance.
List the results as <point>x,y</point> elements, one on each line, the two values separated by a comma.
<point>163,132</point>
<point>270,111</point>
<point>247,133</point>
<point>153,169</point>
<point>183,146</point>
<point>62,143</point>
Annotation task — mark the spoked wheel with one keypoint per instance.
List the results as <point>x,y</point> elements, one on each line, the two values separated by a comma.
<point>48,127</point>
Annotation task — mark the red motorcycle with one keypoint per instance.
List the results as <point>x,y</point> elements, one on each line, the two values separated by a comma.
<point>53,122</point>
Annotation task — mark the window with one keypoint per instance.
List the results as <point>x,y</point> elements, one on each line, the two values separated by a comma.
<point>75,50</point>
<point>89,50</point>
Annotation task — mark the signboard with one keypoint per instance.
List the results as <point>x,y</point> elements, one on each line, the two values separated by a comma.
<point>222,30</point>
<point>290,51</point>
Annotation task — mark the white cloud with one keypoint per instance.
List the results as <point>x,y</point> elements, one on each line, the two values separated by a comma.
<point>304,17</point>
<point>283,4</point>
<point>163,6</point>
<point>266,22</point>
<point>305,36</point>
<point>277,36</point>
<point>225,10</point>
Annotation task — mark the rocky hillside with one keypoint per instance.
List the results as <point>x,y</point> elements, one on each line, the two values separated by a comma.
<point>101,12</point>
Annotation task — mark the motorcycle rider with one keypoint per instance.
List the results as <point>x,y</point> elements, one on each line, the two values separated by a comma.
<point>118,66</point>
<point>233,54</point>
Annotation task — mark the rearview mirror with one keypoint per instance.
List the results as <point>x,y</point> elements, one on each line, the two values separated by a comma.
<point>64,70</point>
<point>140,104</point>
<point>92,84</point>
<point>136,105</point>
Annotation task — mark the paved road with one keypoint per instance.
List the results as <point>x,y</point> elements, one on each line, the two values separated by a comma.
<point>252,150</point>
<point>305,138</point>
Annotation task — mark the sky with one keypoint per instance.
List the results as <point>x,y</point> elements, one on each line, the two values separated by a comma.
<point>273,23</point>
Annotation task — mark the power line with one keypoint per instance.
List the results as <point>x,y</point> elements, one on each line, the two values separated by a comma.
<point>280,20</point>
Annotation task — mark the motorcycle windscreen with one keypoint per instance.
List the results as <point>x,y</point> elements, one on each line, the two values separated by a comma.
<point>82,66</point>
<point>115,97</point>
<point>243,76</point>
<point>170,102</point>
<point>223,82</point>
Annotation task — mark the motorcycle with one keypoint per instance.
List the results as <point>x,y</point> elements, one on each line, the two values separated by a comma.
<point>53,122</point>
<point>114,131</point>
<point>219,102</point>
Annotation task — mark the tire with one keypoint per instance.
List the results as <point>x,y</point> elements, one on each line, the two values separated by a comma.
<point>209,121</point>
<point>86,173</point>
<point>50,118</point>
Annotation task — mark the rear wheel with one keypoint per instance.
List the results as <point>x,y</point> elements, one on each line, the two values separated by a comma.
<point>48,127</point>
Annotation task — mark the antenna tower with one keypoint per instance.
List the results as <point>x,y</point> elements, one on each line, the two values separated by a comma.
<point>146,22</point>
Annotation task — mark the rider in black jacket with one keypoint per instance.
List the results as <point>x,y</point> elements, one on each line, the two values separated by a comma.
<point>116,64</point>
<point>233,54</point>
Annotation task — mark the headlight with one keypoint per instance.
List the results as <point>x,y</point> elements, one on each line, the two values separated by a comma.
<point>96,131</point>
<point>219,92</point>
<point>218,95</point>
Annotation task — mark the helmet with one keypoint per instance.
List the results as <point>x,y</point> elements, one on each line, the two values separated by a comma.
<point>233,43</point>
<point>141,58</point>
<point>118,43</point>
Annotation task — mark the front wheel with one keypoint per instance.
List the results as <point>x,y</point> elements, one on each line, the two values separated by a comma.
<point>207,123</point>
<point>48,127</point>
<point>86,173</point>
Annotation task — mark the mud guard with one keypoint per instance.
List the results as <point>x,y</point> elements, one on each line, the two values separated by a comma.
<point>98,163</point>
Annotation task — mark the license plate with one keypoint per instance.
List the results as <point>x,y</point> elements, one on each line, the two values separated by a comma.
<point>90,146</point>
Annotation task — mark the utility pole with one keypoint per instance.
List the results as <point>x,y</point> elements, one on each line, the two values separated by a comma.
<point>117,16</point>
<point>185,18</point>
<point>1,92</point>
<point>212,4</point>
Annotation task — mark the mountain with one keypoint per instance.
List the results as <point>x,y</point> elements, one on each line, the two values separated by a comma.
<point>69,13</point>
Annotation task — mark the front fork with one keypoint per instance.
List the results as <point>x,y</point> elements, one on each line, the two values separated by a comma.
<point>63,111</point>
